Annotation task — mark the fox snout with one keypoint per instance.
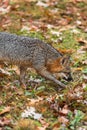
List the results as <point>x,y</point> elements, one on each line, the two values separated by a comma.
<point>68,77</point>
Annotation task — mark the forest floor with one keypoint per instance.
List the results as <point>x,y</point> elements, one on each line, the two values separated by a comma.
<point>63,24</point>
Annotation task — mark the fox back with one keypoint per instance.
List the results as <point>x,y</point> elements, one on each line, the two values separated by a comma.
<point>31,52</point>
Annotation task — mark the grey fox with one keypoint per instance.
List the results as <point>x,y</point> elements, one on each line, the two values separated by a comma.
<point>31,52</point>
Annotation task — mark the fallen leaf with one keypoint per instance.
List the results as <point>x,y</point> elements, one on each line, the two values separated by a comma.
<point>42,128</point>
<point>5,110</point>
<point>85,62</point>
<point>82,41</point>
<point>64,110</point>
<point>4,73</point>
<point>44,124</point>
<point>78,69</point>
<point>64,51</point>
<point>31,112</point>
<point>63,120</point>
<point>4,121</point>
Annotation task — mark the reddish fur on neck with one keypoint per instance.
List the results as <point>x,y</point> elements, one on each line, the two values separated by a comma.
<point>55,66</point>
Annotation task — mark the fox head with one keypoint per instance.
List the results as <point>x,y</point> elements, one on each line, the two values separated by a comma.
<point>61,67</point>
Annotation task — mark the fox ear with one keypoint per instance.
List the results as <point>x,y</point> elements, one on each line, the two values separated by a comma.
<point>65,60</point>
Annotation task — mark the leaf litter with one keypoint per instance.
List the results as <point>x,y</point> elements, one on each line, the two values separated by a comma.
<point>63,24</point>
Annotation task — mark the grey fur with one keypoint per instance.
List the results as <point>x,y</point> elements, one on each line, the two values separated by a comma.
<point>28,52</point>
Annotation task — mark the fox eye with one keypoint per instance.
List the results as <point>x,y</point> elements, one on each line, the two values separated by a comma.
<point>63,61</point>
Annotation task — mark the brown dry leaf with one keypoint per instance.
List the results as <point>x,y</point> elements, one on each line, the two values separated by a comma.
<point>84,48</point>
<point>76,94</point>
<point>80,51</point>
<point>63,120</point>
<point>63,22</point>
<point>77,69</point>
<point>44,125</point>
<point>19,91</point>
<point>85,77</point>
<point>64,51</point>
<point>43,122</point>
<point>20,1</point>
<point>82,41</point>
<point>6,109</point>
<point>41,128</point>
<point>0,102</point>
<point>33,101</point>
<point>6,3</point>
<point>85,62</point>
<point>4,73</point>
<point>30,0</point>
<point>64,110</point>
<point>79,0</point>
<point>4,121</point>
<point>75,1</point>
<point>56,125</point>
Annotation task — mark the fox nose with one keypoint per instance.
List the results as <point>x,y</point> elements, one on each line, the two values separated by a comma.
<point>70,78</point>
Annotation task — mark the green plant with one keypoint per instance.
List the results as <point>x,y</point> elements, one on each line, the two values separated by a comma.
<point>75,120</point>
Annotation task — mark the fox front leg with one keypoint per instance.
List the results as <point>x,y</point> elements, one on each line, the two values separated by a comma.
<point>49,76</point>
<point>39,66</point>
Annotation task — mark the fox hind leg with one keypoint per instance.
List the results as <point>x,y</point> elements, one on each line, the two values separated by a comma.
<point>22,76</point>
